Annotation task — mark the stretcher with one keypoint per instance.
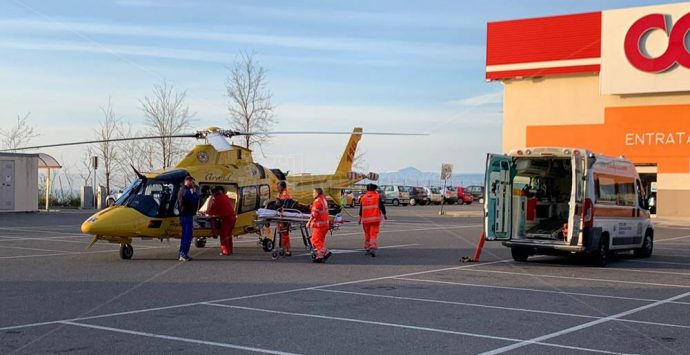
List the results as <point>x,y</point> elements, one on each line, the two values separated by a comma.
<point>271,223</point>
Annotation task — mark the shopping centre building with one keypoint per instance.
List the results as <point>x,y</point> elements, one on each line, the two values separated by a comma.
<point>616,82</point>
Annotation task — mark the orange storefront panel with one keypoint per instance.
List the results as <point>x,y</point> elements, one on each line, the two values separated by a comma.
<point>643,134</point>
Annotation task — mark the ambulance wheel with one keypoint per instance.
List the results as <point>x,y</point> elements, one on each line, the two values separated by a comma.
<point>274,255</point>
<point>647,246</point>
<point>200,243</point>
<point>267,244</point>
<point>519,254</point>
<point>396,202</point>
<point>601,256</point>
<point>126,251</point>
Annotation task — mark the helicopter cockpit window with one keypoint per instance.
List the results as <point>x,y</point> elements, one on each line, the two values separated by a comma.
<point>155,199</point>
<point>129,191</point>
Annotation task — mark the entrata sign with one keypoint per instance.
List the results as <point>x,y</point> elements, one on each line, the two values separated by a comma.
<point>628,131</point>
<point>676,52</point>
<point>646,50</point>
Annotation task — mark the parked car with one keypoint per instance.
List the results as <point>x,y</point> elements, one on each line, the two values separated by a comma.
<point>464,197</point>
<point>450,195</point>
<point>110,200</point>
<point>419,196</point>
<point>477,192</point>
<point>357,196</point>
<point>350,197</point>
<point>395,194</point>
<point>435,195</point>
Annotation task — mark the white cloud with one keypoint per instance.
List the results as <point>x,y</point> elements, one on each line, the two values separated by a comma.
<point>175,54</point>
<point>494,98</point>
<point>437,51</point>
<point>388,18</point>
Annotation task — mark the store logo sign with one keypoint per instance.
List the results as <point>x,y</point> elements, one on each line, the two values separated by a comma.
<point>677,51</point>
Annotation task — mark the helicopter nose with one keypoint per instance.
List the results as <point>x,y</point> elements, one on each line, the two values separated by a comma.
<point>91,226</point>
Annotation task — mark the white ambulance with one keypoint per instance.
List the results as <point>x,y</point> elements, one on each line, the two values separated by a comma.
<point>566,200</point>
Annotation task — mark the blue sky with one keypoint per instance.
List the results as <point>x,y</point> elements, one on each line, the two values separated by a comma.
<point>407,66</point>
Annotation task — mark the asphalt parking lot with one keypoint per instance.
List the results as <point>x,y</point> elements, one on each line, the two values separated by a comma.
<point>415,297</point>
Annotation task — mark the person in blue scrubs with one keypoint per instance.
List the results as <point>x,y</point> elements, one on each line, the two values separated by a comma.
<point>188,202</point>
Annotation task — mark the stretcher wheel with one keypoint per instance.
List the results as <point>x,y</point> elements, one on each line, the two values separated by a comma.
<point>126,251</point>
<point>281,253</point>
<point>200,242</point>
<point>274,255</point>
<point>267,244</point>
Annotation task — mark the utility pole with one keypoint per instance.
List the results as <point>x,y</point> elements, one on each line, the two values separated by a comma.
<point>94,164</point>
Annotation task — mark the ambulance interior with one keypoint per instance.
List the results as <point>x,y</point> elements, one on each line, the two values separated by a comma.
<point>541,194</point>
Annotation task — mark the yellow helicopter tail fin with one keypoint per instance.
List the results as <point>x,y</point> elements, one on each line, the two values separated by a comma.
<point>348,157</point>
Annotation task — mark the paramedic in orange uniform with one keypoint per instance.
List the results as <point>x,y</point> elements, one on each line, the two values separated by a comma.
<point>283,195</point>
<point>221,207</point>
<point>371,210</point>
<point>319,224</point>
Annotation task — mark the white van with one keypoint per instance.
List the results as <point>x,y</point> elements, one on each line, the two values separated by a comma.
<point>565,200</point>
<point>395,194</point>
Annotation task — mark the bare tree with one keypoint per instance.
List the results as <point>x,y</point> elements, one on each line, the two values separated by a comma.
<point>107,130</point>
<point>359,162</point>
<point>166,113</point>
<point>18,135</point>
<point>86,169</point>
<point>133,153</point>
<point>250,104</point>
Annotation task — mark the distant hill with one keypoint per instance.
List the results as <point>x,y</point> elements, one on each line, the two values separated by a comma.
<point>413,176</point>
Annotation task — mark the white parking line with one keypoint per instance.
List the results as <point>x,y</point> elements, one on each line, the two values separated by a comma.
<point>583,326</point>
<point>535,290</point>
<point>402,326</point>
<point>646,271</point>
<point>669,239</point>
<point>658,262</point>
<point>524,310</point>
<point>70,253</point>
<point>32,230</point>
<point>477,305</point>
<point>180,339</point>
<point>34,249</point>
<point>266,294</point>
<point>408,230</point>
<point>583,278</point>
<point>50,239</point>
<point>352,251</point>
<point>670,255</point>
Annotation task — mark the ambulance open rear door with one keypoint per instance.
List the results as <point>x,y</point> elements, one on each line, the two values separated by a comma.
<point>498,197</point>
<point>576,198</point>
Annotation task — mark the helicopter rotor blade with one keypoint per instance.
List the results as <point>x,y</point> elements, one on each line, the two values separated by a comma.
<point>215,137</point>
<point>101,141</point>
<point>327,133</point>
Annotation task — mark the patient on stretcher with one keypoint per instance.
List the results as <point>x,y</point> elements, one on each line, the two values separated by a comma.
<point>288,204</point>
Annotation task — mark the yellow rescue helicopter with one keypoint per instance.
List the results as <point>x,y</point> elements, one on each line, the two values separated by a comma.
<point>148,209</point>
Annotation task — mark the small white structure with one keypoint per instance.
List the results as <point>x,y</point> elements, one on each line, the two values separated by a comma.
<point>47,162</point>
<point>19,182</point>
